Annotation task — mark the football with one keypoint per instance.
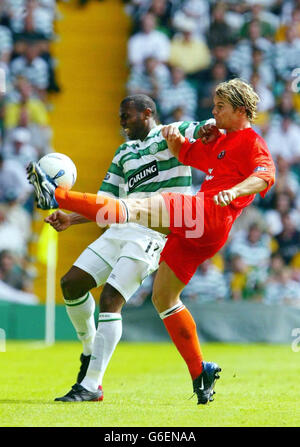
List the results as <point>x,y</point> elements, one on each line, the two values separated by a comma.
<point>60,168</point>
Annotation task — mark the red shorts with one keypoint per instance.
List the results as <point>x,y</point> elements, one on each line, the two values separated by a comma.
<point>198,230</point>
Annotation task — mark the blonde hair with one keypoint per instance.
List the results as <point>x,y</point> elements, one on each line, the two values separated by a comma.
<point>239,94</point>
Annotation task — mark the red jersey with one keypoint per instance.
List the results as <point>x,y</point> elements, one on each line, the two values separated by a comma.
<point>229,160</point>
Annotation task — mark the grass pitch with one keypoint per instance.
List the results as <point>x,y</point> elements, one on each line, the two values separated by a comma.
<point>148,385</point>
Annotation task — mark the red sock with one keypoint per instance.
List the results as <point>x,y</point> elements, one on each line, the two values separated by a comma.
<point>102,209</point>
<point>182,330</point>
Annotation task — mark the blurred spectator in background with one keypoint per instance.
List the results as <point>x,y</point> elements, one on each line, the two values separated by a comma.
<point>188,51</point>
<point>286,104</point>
<point>208,284</point>
<point>219,32</point>
<point>15,281</point>
<point>178,94</point>
<point>245,281</point>
<point>268,22</point>
<point>253,247</point>
<point>282,289</point>
<point>162,10</point>
<point>241,56</point>
<point>11,272</point>
<point>149,79</point>
<point>20,148</point>
<point>287,53</point>
<point>221,53</point>
<point>286,180</point>
<point>6,44</point>
<point>266,102</point>
<point>12,236</point>
<point>250,216</point>
<point>283,138</point>
<point>293,20</point>
<point>282,204</point>
<point>288,239</point>
<point>196,11</point>
<point>13,178</point>
<point>148,42</point>
<point>260,66</point>
<point>32,67</point>
<point>36,18</point>
<point>23,108</point>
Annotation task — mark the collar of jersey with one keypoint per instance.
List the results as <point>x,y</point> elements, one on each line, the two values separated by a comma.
<point>154,129</point>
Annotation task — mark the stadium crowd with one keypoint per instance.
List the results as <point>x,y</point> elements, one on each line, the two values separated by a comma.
<point>27,76</point>
<point>178,51</point>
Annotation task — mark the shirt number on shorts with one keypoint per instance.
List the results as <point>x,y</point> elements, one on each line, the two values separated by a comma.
<point>154,246</point>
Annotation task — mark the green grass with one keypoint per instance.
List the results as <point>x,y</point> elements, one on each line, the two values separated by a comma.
<point>147,385</point>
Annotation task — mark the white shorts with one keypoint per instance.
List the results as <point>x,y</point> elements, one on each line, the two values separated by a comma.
<point>121,263</point>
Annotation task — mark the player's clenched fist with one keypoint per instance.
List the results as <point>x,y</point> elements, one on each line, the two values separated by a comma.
<point>59,220</point>
<point>173,137</point>
<point>208,133</point>
<point>224,198</point>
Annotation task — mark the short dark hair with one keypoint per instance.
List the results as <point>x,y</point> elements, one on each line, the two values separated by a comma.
<point>141,102</point>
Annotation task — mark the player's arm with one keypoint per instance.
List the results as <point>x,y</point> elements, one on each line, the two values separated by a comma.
<point>261,168</point>
<point>205,130</point>
<point>190,153</point>
<point>252,185</point>
<point>60,220</point>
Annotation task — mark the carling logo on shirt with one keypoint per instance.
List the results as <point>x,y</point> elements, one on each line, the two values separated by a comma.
<point>145,173</point>
<point>259,169</point>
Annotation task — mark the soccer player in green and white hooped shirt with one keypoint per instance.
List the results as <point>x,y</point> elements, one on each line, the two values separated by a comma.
<point>125,254</point>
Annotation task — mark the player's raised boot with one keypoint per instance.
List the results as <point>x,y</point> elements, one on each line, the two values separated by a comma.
<point>204,384</point>
<point>85,361</point>
<point>44,187</point>
<point>80,394</point>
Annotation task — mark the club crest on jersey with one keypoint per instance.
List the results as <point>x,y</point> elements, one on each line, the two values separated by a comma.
<point>221,154</point>
<point>153,148</point>
<point>140,176</point>
<point>107,177</point>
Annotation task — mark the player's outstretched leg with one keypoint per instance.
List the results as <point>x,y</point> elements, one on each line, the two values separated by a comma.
<point>151,212</point>
<point>101,209</point>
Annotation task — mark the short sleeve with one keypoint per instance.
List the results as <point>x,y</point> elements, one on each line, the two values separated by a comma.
<point>261,164</point>
<point>114,182</point>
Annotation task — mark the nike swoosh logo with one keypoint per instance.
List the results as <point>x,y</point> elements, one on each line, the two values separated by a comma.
<point>202,384</point>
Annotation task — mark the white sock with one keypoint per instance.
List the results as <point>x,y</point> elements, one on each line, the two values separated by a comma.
<point>81,313</point>
<point>108,334</point>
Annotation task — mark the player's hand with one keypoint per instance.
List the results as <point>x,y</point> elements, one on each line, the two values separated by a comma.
<point>225,197</point>
<point>208,133</point>
<point>59,220</point>
<point>173,137</point>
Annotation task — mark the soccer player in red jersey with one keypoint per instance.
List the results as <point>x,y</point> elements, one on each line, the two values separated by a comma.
<point>237,164</point>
